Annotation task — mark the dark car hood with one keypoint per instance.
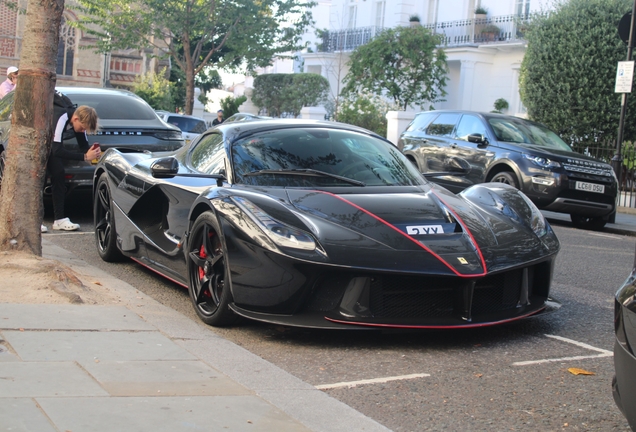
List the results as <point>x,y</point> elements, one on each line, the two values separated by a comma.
<point>425,229</point>
<point>555,154</point>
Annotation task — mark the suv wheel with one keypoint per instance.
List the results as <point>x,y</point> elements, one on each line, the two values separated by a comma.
<point>588,223</point>
<point>507,178</point>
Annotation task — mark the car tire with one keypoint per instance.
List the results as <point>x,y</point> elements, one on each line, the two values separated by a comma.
<point>505,177</point>
<point>208,282</point>
<point>588,223</point>
<point>104,221</point>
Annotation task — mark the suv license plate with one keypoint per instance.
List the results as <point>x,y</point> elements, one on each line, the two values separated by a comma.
<point>590,187</point>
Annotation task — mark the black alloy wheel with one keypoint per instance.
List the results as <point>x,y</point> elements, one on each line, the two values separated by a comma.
<point>505,177</point>
<point>105,233</point>
<point>588,223</point>
<point>208,282</point>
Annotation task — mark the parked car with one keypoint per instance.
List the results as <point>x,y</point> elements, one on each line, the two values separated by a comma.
<point>191,127</point>
<point>125,121</point>
<point>467,148</point>
<point>240,117</point>
<point>323,225</point>
<point>624,382</point>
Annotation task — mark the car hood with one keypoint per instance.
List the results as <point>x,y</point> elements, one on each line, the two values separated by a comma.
<point>410,231</point>
<point>555,154</point>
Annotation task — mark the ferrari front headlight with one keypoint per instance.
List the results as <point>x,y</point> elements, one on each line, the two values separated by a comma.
<point>280,233</point>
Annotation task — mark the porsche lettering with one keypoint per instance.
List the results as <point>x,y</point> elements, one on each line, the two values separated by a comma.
<point>424,229</point>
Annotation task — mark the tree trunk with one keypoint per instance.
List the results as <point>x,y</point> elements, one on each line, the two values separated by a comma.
<point>189,100</point>
<point>21,207</point>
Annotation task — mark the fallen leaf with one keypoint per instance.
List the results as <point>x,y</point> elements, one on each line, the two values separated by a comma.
<point>98,283</point>
<point>577,371</point>
<point>479,375</point>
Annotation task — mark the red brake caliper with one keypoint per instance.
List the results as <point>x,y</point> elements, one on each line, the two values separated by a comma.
<point>201,255</point>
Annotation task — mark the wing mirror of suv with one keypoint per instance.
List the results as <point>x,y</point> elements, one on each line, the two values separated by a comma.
<point>478,139</point>
<point>165,167</point>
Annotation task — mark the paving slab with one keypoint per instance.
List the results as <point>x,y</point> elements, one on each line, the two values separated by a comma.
<point>167,414</point>
<point>162,378</point>
<point>23,415</point>
<point>69,317</point>
<point>54,379</point>
<point>93,345</point>
<point>6,355</point>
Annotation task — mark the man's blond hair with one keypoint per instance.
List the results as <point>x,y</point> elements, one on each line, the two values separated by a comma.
<point>88,117</point>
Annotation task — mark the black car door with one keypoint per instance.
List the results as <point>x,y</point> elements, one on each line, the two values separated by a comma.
<point>469,157</point>
<point>440,135</point>
<point>174,198</point>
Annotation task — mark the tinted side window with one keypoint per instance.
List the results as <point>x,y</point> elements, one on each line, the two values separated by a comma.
<point>420,122</point>
<point>443,125</point>
<point>208,156</point>
<point>470,124</point>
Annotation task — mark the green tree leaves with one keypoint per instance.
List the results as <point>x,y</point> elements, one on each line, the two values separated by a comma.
<point>401,62</point>
<point>289,93</point>
<point>199,33</point>
<point>568,73</point>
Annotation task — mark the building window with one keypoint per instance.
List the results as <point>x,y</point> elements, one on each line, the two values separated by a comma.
<point>379,14</point>
<point>522,8</point>
<point>66,49</point>
<point>353,10</point>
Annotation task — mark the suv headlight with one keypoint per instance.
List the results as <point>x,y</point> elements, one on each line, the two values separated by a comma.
<point>280,233</point>
<point>541,161</point>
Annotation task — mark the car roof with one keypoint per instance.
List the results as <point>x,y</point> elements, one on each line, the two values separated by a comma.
<point>180,115</point>
<point>236,129</point>
<point>481,113</point>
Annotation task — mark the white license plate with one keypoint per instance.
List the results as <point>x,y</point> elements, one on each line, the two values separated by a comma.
<point>590,187</point>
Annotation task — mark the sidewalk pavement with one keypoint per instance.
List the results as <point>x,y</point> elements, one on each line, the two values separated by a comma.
<point>142,366</point>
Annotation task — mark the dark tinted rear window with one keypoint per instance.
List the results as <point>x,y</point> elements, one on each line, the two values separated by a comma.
<point>116,106</point>
<point>187,124</point>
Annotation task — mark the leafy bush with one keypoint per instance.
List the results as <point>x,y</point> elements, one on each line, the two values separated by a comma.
<point>155,89</point>
<point>500,105</point>
<point>289,93</point>
<point>230,105</point>
<point>568,73</point>
<point>365,110</point>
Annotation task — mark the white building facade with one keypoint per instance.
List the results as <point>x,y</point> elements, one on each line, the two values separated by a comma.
<point>483,64</point>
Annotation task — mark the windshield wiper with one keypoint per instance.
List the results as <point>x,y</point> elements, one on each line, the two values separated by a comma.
<point>305,171</point>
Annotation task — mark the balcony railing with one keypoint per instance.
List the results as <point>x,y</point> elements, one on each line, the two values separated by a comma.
<point>348,39</point>
<point>477,31</point>
<point>505,28</point>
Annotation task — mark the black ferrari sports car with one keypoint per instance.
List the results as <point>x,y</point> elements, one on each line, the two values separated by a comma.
<point>624,383</point>
<point>323,225</point>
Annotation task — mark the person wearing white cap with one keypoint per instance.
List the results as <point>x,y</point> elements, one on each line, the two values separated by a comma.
<point>9,84</point>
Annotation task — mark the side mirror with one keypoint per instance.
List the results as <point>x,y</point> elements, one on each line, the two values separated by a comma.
<point>165,167</point>
<point>478,139</point>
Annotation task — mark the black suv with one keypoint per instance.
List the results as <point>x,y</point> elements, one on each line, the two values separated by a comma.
<point>457,149</point>
<point>125,121</point>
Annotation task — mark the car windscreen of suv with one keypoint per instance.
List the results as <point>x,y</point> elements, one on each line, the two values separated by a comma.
<point>187,124</point>
<point>526,132</point>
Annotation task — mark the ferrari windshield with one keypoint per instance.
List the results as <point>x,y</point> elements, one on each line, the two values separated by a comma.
<point>295,156</point>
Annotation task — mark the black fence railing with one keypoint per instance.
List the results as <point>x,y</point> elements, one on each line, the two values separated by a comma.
<point>627,177</point>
